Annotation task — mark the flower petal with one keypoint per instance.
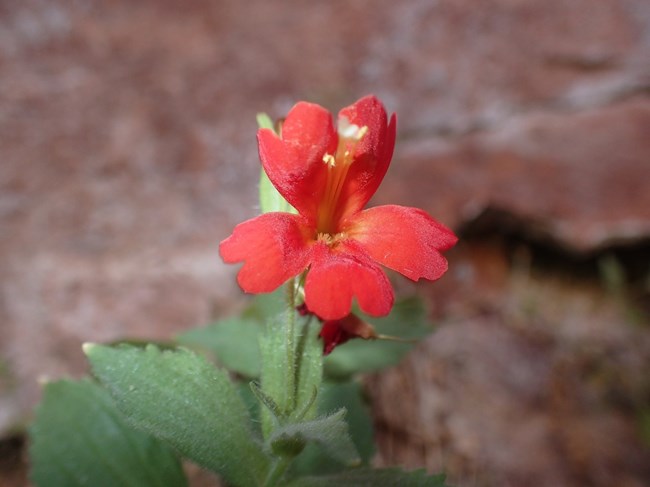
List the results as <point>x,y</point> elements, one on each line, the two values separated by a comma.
<point>372,155</point>
<point>404,239</point>
<point>333,335</point>
<point>336,332</point>
<point>273,247</point>
<point>338,275</point>
<point>294,161</point>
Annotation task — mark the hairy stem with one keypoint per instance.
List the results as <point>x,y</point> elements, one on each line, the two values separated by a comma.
<point>292,372</point>
<point>277,471</point>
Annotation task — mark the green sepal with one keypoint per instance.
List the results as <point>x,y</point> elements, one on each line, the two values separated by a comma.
<point>79,438</point>
<point>180,398</point>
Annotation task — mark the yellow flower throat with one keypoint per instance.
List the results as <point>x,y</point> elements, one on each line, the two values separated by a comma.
<point>337,169</point>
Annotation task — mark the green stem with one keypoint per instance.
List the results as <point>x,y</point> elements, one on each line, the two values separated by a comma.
<point>277,471</point>
<point>292,370</point>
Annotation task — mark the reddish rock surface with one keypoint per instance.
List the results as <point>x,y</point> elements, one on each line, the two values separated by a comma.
<point>578,180</point>
<point>127,152</point>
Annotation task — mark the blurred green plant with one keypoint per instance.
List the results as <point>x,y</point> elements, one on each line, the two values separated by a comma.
<point>148,407</point>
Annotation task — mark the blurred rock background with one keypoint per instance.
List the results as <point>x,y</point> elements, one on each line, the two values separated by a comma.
<point>127,152</point>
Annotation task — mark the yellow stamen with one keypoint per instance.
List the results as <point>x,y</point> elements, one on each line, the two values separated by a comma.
<point>329,239</point>
<point>324,237</point>
<point>329,160</point>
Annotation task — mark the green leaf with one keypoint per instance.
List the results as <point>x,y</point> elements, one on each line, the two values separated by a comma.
<point>330,433</point>
<point>408,320</point>
<point>270,198</point>
<point>79,438</point>
<point>365,477</point>
<point>180,398</point>
<point>234,343</point>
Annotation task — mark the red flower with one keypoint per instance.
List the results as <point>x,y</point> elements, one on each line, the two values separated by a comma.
<point>336,332</point>
<point>329,175</point>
